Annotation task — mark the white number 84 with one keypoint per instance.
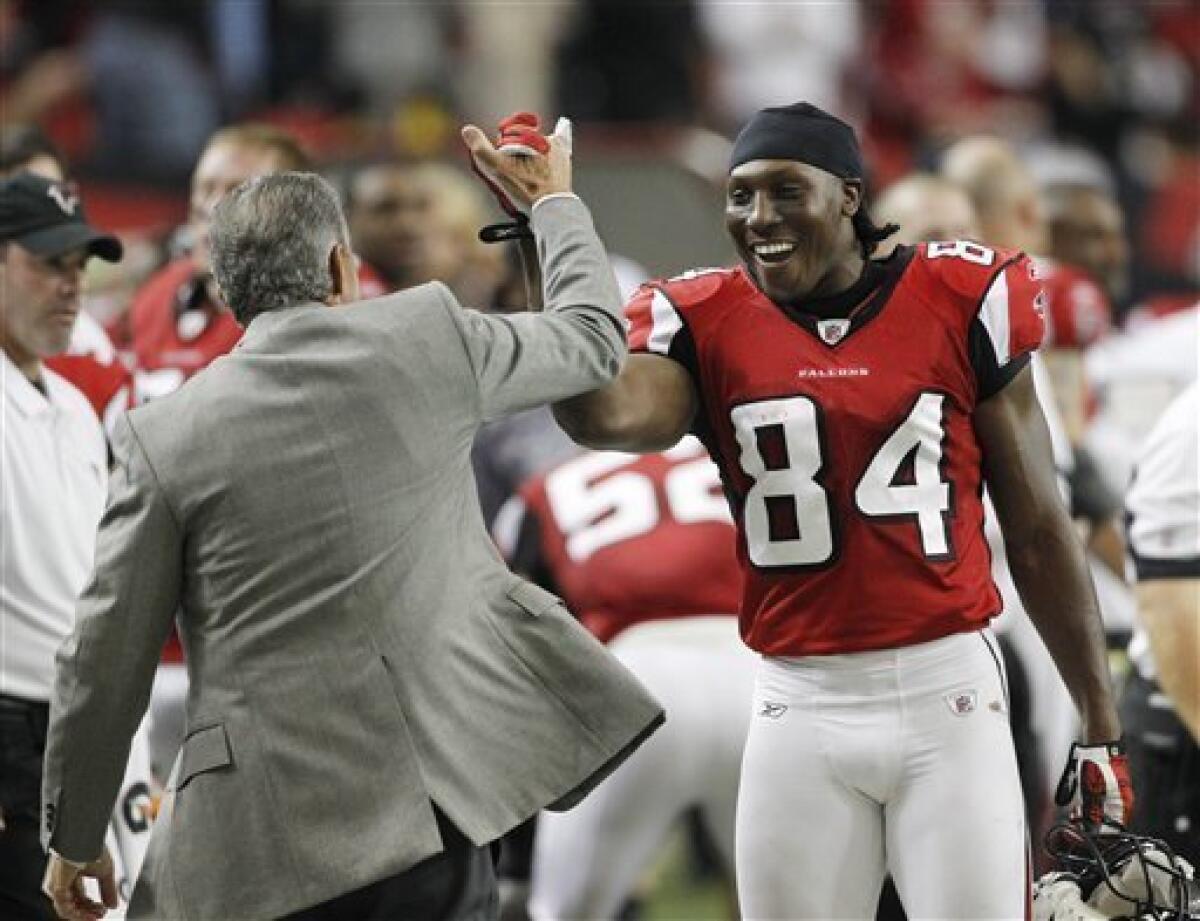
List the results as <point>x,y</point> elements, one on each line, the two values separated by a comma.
<point>792,484</point>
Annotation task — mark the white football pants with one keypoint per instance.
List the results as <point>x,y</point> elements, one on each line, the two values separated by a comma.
<point>898,760</point>
<point>587,861</point>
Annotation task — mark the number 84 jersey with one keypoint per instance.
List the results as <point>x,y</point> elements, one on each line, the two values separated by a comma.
<point>845,443</point>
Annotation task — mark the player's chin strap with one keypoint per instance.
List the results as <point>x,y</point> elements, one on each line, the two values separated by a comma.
<point>517,229</point>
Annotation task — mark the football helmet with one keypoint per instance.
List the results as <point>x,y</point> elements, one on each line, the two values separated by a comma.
<point>1110,873</point>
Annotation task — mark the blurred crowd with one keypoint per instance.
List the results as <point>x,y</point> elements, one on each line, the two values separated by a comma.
<point>1100,89</point>
<point>1067,128</point>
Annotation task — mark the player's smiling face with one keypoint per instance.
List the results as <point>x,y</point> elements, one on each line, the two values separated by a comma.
<point>791,224</point>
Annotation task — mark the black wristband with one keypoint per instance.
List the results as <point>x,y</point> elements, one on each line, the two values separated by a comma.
<point>502,233</point>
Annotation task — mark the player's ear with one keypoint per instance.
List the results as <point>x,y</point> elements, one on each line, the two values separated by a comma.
<point>852,191</point>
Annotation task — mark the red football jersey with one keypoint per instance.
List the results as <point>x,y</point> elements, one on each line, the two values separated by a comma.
<point>92,364</point>
<point>846,445</point>
<point>625,538</point>
<point>176,331</point>
<point>1079,313</point>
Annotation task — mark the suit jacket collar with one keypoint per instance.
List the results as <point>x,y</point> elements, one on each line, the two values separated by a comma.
<point>265,323</point>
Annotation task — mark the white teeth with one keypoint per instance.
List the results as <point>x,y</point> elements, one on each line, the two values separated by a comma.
<point>773,249</point>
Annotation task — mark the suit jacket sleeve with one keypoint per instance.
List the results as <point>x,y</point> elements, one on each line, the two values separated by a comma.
<point>576,345</point>
<point>106,667</point>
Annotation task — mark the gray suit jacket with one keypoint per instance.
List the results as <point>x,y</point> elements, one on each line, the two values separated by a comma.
<point>355,645</point>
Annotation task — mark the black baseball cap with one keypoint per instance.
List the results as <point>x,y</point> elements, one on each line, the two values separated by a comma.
<point>47,219</point>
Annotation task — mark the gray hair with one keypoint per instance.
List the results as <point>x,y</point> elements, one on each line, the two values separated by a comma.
<point>270,240</point>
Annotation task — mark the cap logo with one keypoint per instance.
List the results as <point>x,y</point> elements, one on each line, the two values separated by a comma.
<point>66,201</point>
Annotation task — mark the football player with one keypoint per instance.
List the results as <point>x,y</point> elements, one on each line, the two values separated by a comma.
<point>855,409</point>
<point>178,323</point>
<point>642,551</point>
<point>1086,228</point>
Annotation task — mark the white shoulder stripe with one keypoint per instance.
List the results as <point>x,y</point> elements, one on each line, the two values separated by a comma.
<point>993,314</point>
<point>666,323</point>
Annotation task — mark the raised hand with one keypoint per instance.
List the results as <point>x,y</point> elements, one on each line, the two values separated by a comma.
<point>522,165</point>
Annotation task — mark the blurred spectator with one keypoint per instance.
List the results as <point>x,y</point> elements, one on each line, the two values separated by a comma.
<point>392,51</point>
<point>1134,375</point>
<point>1087,230</point>
<point>622,61</point>
<point>388,210</point>
<point>178,323</point>
<point>415,222</point>
<point>155,98</point>
<point>474,270</point>
<point>925,207</point>
<point>37,74</point>
<point>941,70</point>
<point>1002,190</point>
<point>26,147</point>
<point>505,62</point>
<point>766,53</point>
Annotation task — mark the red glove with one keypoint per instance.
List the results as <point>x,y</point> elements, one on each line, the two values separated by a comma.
<point>1096,784</point>
<point>518,134</point>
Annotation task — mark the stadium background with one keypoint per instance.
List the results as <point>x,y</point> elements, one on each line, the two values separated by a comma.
<point>1104,91</point>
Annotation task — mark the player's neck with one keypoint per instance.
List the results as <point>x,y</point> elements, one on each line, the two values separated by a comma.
<point>845,296</point>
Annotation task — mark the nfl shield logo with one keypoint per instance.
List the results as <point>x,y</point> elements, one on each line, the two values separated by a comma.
<point>832,331</point>
<point>962,702</point>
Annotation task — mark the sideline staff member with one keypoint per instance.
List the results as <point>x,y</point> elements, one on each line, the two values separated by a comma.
<point>1161,704</point>
<point>52,483</point>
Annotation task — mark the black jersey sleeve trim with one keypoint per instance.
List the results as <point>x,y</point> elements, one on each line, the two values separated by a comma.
<point>990,376</point>
<point>682,350</point>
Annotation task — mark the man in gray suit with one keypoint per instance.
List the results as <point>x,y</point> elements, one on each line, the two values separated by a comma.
<point>374,696</point>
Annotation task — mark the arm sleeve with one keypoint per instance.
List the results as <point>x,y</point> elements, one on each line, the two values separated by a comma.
<point>576,345</point>
<point>106,667</point>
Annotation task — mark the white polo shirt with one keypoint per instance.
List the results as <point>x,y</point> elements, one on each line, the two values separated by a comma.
<point>1163,506</point>
<point>53,476</point>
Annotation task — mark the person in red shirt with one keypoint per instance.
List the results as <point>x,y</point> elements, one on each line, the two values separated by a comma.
<point>1086,228</point>
<point>855,409</point>
<point>177,321</point>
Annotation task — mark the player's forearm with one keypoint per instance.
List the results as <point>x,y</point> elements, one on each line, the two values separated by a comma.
<point>1050,572</point>
<point>649,407</point>
<point>1170,611</point>
<point>597,419</point>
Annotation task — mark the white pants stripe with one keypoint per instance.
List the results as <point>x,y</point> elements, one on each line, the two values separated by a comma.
<point>895,761</point>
